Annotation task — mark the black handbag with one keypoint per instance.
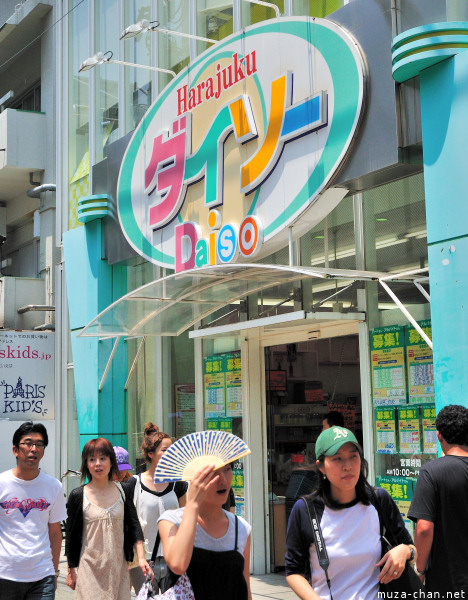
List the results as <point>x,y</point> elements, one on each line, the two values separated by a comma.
<point>163,576</point>
<point>408,581</point>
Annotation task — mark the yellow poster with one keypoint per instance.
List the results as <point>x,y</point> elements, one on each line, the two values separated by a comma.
<point>388,366</point>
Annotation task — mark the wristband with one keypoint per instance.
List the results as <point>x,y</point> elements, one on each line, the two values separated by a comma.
<point>57,573</point>
<point>411,558</point>
<point>420,573</point>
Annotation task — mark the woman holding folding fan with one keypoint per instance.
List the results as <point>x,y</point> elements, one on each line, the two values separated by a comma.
<point>152,499</point>
<point>346,517</point>
<point>208,543</point>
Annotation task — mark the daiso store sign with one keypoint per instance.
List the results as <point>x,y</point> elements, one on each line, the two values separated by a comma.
<point>243,145</point>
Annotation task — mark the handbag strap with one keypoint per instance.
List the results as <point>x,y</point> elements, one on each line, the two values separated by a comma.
<point>383,521</point>
<point>156,546</point>
<point>320,547</point>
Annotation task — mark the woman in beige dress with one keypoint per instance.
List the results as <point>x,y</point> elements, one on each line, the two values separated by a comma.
<point>102,529</point>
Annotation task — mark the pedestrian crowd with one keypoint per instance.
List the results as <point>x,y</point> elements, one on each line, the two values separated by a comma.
<point>346,540</point>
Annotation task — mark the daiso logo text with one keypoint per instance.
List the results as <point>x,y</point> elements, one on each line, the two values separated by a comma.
<point>223,245</point>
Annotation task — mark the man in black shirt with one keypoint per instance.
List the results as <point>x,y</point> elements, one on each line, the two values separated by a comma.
<point>440,508</point>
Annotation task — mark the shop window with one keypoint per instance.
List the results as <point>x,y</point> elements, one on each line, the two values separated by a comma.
<point>107,33</point>
<point>331,244</point>
<point>255,13</point>
<point>401,362</point>
<point>317,8</point>
<point>78,110</point>
<point>223,402</point>
<point>138,50</point>
<point>214,19</point>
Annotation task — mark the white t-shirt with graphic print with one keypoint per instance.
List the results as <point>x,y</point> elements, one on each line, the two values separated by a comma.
<point>26,509</point>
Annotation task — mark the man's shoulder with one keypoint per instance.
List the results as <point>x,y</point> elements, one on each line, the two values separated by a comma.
<point>50,480</point>
<point>444,466</point>
<point>6,475</point>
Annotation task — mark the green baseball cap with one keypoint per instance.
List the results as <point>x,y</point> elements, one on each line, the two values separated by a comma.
<point>330,441</point>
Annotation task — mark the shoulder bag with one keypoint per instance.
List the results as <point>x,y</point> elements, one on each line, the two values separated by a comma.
<point>408,581</point>
<point>172,586</point>
<point>181,590</point>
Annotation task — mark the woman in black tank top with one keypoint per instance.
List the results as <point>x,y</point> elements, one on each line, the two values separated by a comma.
<point>213,574</point>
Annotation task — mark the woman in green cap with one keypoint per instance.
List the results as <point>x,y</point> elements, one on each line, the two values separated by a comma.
<point>346,508</point>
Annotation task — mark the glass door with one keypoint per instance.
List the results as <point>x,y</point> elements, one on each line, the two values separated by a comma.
<point>304,381</point>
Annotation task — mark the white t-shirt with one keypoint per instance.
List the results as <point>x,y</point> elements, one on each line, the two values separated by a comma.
<point>152,506</point>
<point>26,509</point>
<point>207,542</point>
<point>352,535</point>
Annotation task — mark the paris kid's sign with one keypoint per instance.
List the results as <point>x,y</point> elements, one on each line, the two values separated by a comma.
<point>27,375</point>
<point>242,145</point>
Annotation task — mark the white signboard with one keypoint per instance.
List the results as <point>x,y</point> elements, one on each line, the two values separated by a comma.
<point>26,375</point>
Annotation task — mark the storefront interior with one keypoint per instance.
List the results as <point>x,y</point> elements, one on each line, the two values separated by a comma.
<point>304,381</point>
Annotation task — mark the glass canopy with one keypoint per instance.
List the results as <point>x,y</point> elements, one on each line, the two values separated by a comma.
<point>172,304</point>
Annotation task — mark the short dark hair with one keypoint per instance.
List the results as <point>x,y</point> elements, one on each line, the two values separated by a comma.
<point>334,417</point>
<point>30,427</point>
<point>452,424</point>
<point>98,446</point>
<point>362,485</point>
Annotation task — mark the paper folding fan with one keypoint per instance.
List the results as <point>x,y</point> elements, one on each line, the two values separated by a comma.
<point>187,456</point>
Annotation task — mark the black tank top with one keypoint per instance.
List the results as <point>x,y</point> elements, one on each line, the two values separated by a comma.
<point>216,575</point>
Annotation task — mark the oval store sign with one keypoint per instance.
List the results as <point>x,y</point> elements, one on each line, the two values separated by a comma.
<point>242,145</point>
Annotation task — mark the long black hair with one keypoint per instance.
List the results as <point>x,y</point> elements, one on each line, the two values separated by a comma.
<point>363,488</point>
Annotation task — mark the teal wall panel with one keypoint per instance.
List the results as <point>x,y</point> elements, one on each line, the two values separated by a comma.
<point>92,284</point>
<point>449,303</point>
<point>444,102</point>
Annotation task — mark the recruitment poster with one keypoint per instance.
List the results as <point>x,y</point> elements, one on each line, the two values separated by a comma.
<point>428,417</point>
<point>215,383</point>
<point>420,365</point>
<point>232,362</point>
<point>388,366</point>
<point>27,376</point>
<point>238,487</point>
<point>401,491</point>
<point>385,430</point>
<point>409,430</point>
<point>185,408</point>
<point>224,424</point>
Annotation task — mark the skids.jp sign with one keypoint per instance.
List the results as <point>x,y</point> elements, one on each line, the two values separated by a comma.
<point>242,145</point>
<point>26,375</point>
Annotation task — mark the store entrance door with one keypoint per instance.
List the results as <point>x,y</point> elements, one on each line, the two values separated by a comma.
<point>303,382</point>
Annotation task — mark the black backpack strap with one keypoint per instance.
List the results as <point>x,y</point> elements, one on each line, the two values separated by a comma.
<point>320,547</point>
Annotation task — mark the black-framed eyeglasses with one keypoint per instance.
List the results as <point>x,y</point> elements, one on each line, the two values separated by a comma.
<point>39,445</point>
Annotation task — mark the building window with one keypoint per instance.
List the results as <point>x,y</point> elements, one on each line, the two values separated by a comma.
<point>29,100</point>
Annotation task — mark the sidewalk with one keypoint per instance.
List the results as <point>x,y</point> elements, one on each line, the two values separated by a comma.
<point>264,587</point>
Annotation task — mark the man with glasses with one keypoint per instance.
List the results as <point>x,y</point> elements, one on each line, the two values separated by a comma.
<point>32,506</point>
